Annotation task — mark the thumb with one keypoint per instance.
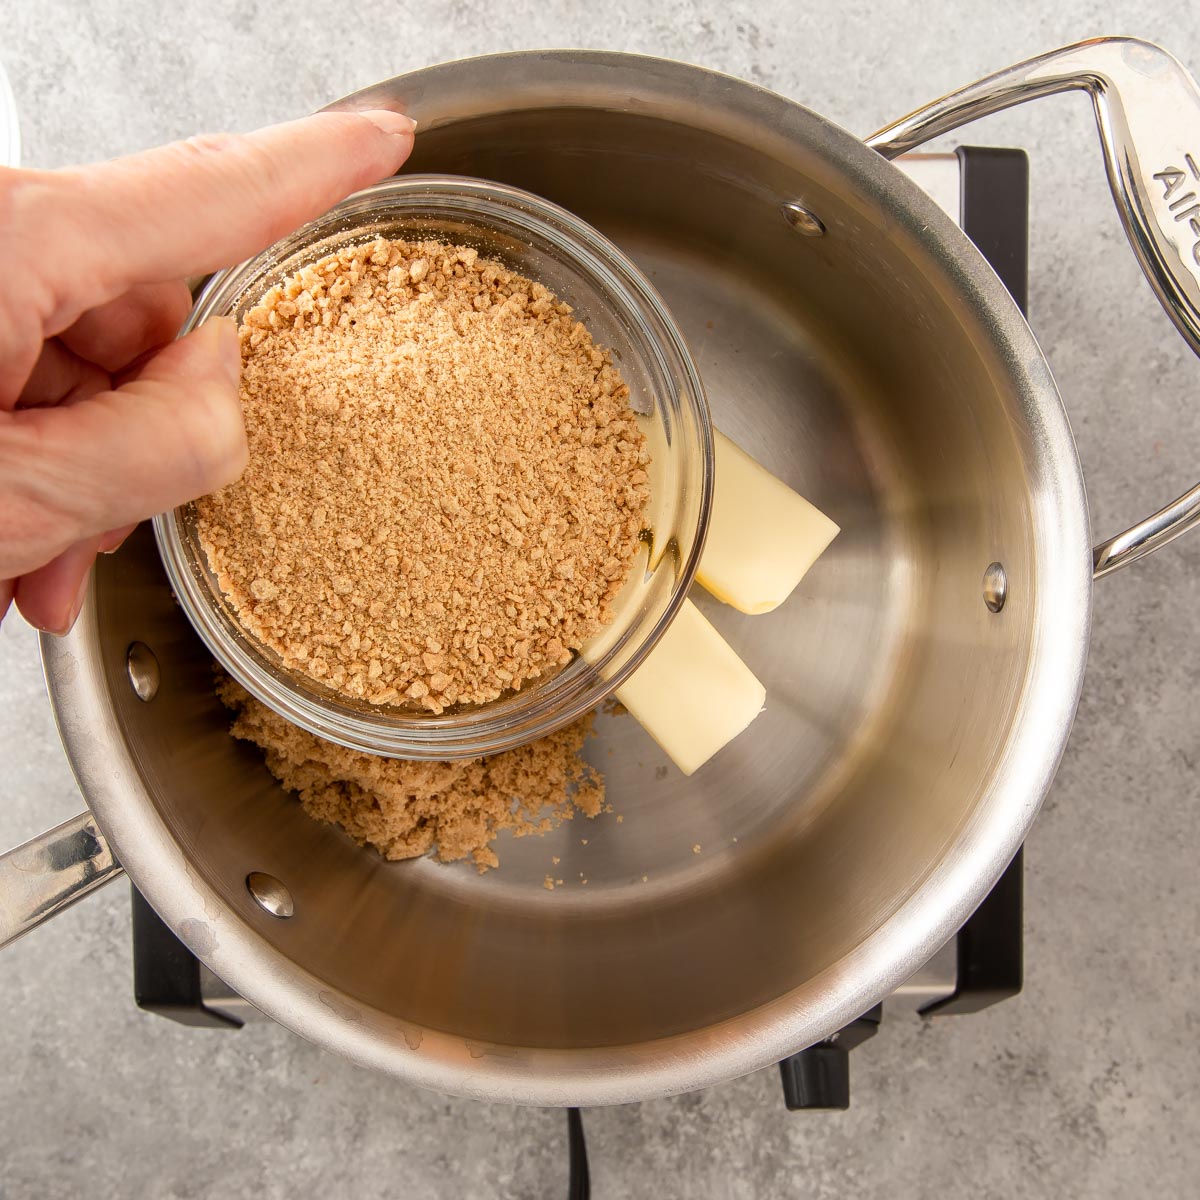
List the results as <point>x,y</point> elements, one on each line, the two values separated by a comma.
<point>173,433</point>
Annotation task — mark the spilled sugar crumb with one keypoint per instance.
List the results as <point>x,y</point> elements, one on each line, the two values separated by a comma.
<point>404,809</point>
<point>446,482</point>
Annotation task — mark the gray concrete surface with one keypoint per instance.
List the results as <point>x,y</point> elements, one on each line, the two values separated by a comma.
<point>1088,1085</point>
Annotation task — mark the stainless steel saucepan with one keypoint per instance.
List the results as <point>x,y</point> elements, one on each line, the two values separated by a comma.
<point>920,686</point>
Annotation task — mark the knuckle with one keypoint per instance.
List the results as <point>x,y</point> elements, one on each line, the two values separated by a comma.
<point>240,162</point>
<point>235,149</point>
<point>158,311</point>
<point>33,205</point>
<point>206,145</point>
<point>34,521</point>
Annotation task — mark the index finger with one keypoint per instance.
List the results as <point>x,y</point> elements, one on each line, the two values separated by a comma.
<point>193,206</point>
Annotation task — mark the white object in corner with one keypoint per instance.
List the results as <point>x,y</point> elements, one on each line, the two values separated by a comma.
<point>10,130</point>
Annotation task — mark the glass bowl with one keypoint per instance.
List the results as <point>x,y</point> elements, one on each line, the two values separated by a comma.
<point>625,315</point>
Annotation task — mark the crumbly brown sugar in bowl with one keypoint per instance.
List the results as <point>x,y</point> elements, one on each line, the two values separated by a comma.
<point>446,484</point>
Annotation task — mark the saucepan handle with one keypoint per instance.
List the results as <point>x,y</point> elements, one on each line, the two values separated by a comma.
<point>1148,110</point>
<point>47,874</point>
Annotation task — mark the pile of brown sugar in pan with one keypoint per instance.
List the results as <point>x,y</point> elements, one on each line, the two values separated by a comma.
<point>446,483</point>
<point>406,809</point>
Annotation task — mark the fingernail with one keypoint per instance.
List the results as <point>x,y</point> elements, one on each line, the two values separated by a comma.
<point>61,630</point>
<point>221,336</point>
<point>114,539</point>
<point>390,122</point>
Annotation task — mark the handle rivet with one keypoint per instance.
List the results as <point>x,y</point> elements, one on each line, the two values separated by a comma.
<point>802,220</point>
<point>143,670</point>
<point>995,587</point>
<point>269,894</point>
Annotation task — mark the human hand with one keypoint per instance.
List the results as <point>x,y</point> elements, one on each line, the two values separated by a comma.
<point>104,419</point>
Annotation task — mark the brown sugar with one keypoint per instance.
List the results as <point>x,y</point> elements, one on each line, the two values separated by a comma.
<point>405,809</point>
<point>446,482</point>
